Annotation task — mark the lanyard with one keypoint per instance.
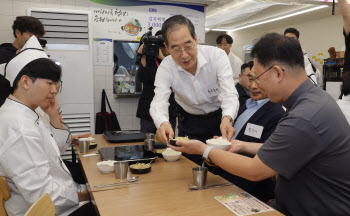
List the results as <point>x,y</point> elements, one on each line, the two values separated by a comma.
<point>156,61</point>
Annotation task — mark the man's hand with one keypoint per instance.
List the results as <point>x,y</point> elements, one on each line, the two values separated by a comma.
<point>160,56</point>
<point>52,109</point>
<point>237,146</point>
<point>190,147</point>
<point>165,132</point>
<point>226,129</point>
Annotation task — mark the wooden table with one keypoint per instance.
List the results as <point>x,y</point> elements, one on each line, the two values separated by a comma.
<point>164,191</point>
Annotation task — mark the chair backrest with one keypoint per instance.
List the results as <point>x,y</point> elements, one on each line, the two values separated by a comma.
<point>43,207</point>
<point>4,194</point>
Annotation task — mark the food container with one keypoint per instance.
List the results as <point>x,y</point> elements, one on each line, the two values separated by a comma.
<point>171,155</point>
<point>106,166</point>
<point>140,168</point>
<point>219,143</point>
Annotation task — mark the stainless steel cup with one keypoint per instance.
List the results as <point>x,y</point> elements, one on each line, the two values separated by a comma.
<point>200,176</point>
<point>150,136</point>
<point>84,146</point>
<point>149,145</point>
<point>121,169</point>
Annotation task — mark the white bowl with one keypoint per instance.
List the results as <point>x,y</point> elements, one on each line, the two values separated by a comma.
<point>106,166</point>
<point>171,155</point>
<point>224,144</point>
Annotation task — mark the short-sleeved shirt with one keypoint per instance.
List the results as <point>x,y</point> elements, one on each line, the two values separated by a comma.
<point>310,149</point>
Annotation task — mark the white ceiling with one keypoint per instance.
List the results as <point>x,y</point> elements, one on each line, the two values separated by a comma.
<point>230,14</point>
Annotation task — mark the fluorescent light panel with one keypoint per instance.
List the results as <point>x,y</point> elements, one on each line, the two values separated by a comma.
<point>274,19</point>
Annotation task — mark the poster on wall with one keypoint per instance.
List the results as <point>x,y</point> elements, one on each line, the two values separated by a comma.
<point>102,50</point>
<point>129,20</point>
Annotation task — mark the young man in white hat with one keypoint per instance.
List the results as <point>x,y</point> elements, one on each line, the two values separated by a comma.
<point>29,156</point>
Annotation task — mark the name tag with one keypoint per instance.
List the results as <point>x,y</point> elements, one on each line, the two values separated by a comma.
<point>253,130</point>
<point>213,90</point>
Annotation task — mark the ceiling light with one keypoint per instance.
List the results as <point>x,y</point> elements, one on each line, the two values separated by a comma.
<point>274,19</point>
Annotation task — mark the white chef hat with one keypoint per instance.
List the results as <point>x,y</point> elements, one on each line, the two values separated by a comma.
<point>31,51</point>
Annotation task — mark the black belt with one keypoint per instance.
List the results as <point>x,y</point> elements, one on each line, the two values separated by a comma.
<point>183,114</point>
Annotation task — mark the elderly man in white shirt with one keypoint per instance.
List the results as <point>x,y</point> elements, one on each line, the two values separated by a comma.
<point>201,78</point>
<point>224,41</point>
<point>29,156</point>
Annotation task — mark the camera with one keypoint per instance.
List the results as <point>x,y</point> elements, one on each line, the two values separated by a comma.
<point>152,43</point>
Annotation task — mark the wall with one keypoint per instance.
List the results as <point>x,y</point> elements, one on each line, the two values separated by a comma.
<point>315,36</point>
<point>210,37</point>
<point>125,108</point>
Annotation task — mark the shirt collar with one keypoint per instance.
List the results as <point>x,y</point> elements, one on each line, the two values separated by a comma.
<point>305,86</point>
<point>249,103</point>
<point>23,107</point>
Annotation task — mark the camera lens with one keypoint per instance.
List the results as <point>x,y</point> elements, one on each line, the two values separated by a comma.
<point>152,49</point>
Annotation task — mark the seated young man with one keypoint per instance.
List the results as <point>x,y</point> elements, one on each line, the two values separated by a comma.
<point>259,112</point>
<point>29,156</point>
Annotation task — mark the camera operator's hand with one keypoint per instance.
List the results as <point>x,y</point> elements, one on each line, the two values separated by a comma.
<point>160,56</point>
<point>143,58</point>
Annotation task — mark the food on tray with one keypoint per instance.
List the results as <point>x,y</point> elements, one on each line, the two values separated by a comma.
<point>140,166</point>
<point>173,141</point>
<point>160,151</point>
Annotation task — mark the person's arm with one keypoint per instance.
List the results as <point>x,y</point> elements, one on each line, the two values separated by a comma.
<point>228,96</point>
<point>160,103</point>
<point>252,169</point>
<point>344,9</point>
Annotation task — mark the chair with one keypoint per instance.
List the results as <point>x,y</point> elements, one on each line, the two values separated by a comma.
<point>4,194</point>
<point>43,207</point>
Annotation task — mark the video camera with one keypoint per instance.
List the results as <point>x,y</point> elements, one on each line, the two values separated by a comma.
<point>151,43</point>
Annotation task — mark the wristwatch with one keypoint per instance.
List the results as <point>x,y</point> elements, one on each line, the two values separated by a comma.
<point>228,116</point>
<point>206,152</point>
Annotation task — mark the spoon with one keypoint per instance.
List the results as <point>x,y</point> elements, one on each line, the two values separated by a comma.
<point>194,187</point>
<point>131,180</point>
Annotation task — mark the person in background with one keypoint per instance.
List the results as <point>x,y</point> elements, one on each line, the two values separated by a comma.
<point>224,42</point>
<point>312,72</point>
<point>310,147</point>
<point>344,9</point>
<point>31,162</point>
<point>201,78</point>
<point>23,28</point>
<point>147,75</point>
<point>243,85</point>
<point>344,102</point>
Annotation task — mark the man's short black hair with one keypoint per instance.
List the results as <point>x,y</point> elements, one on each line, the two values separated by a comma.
<point>28,24</point>
<point>228,38</point>
<point>251,64</point>
<point>243,67</point>
<point>293,31</point>
<point>275,48</point>
<point>42,68</point>
<point>345,88</point>
<point>173,22</point>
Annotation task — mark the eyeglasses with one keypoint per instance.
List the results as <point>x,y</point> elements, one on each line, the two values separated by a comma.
<point>59,86</point>
<point>188,48</point>
<point>256,79</point>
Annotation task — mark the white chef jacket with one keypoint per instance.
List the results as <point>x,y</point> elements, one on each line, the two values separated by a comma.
<point>209,89</point>
<point>236,64</point>
<point>30,162</point>
<point>316,77</point>
<point>62,136</point>
<point>344,105</point>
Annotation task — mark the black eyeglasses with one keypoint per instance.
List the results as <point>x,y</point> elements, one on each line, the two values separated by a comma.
<point>59,86</point>
<point>256,79</point>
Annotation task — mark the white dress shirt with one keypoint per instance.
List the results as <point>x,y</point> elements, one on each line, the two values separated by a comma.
<point>236,64</point>
<point>209,89</point>
<point>344,105</point>
<point>62,136</point>
<point>31,163</point>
